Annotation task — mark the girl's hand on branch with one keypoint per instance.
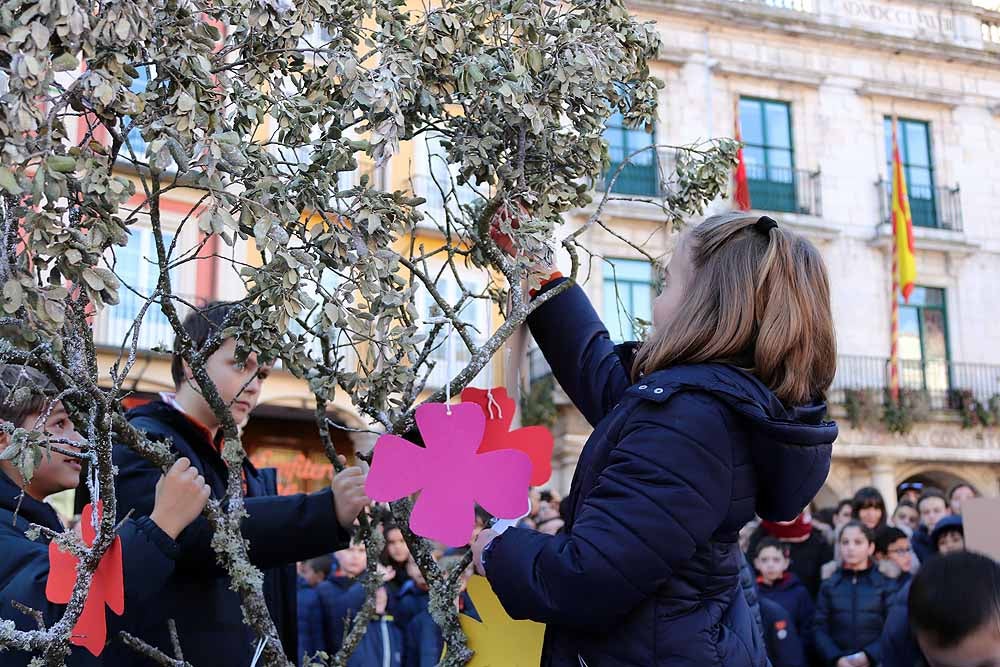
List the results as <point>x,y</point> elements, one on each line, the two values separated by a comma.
<point>181,495</point>
<point>510,216</point>
<point>349,497</point>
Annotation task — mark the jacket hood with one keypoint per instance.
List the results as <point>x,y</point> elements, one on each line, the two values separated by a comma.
<point>791,447</point>
<point>945,524</point>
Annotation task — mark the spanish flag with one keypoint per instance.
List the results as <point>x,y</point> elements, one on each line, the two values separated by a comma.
<point>741,185</point>
<point>905,273</point>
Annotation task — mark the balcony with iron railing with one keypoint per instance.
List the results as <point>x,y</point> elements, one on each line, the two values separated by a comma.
<point>113,325</point>
<point>785,190</point>
<point>942,384</point>
<point>932,207</point>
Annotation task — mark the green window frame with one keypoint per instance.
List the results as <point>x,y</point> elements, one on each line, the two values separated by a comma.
<point>769,153</point>
<point>924,349</point>
<point>628,296</point>
<point>641,175</point>
<point>917,155</point>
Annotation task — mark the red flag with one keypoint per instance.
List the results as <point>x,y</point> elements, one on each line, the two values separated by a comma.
<point>742,187</point>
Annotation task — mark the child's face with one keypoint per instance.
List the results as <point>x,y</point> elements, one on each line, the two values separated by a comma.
<point>312,577</point>
<point>771,563</point>
<point>932,510</point>
<point>842,516</point>
<point>396,547</point>
<point>871,516</point>
<point>855,549</point>
<point>960,495</point>
<point>353,560</point>
<point>239,384</point>
<point>900,554</point>
<point>979,649</point>
<point>56,472</point>
<point>906,517</point>
<point>950,542</point>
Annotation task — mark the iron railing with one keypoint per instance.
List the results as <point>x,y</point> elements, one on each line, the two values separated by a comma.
<point>785,190</point>
<point>113,325</point>
<point>939,208</point>
<point>942,382</point>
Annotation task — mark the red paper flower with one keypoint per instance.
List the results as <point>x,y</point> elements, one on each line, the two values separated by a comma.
<point>535,441</point>
<point>106,588</point>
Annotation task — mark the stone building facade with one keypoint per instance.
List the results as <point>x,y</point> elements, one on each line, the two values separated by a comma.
<point>814,83</point>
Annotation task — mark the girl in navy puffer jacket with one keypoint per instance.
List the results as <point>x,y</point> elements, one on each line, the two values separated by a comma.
<point>718,415</point>
<point>853,604</point>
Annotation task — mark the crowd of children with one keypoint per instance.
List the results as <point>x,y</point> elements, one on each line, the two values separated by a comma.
<point>402,633</point>
<point>839,575</point>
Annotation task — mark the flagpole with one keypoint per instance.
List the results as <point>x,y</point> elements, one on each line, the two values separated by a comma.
<point>894,320</point>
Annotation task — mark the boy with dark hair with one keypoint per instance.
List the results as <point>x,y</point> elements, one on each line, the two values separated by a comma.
<point>893,554</point>
<point>948,535</point>
<point>933,506</point>
<point>955,611</point>
<point>312,624</point>
<point>776,583</point>
<point>280,530</point>
<point>148,547</point>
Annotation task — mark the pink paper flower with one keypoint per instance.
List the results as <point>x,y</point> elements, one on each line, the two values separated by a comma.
<point>450,474</point>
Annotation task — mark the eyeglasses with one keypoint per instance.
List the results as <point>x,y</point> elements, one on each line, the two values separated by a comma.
<point>900,551</point>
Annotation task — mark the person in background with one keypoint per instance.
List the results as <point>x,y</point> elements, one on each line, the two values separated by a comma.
<point>899,647</point>
<point>414,596</point>
<point>786,645</point>
<point>395,555</point>
<point>822,520</point>
<point>548,520</point>
<point>776,583</point>
<point>807,548</point>
<point>843,514</point>
<point>424,641</point>
<point>961,492</point>
<point>932,506</point>
<point>312,636</point>
<point>868,507</point>
<point>906,517</point>
<point>383,643</point>
<point>894,554</point>
<point>948,535</point>
<point>853,604</point>
<point>909,491</point>
<point>954,607</point>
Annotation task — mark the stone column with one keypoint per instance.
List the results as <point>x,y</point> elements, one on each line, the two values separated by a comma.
<point>884,479</point>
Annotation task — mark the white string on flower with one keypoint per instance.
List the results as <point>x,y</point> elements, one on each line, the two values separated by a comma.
<point>259,652</point>
<point>449,343</point>
<point>493,402</point>
<point>95,496</point>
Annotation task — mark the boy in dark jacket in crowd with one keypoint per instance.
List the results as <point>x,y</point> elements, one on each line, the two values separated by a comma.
<point>776,583</point>
<point>280,530</point>
<point>933,507</point>
<point>948,535</point>
<point>893,554</point>
<point>383,644</point>
<point>853,604</point>
<point>955,610</point>
<point>341,595</point>
<point>148,547</point>
<point>785,647</point>
<point>424,641</point>
<point>414,596</point>
<point>806,547</point>
<point>312,624</point>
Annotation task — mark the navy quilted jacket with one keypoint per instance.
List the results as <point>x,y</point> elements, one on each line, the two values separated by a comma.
<point>280,530</point>
<point>646,571</point>
<point>851,612</point>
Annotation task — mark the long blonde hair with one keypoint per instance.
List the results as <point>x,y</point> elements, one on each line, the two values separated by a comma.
<point>758,298</point>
